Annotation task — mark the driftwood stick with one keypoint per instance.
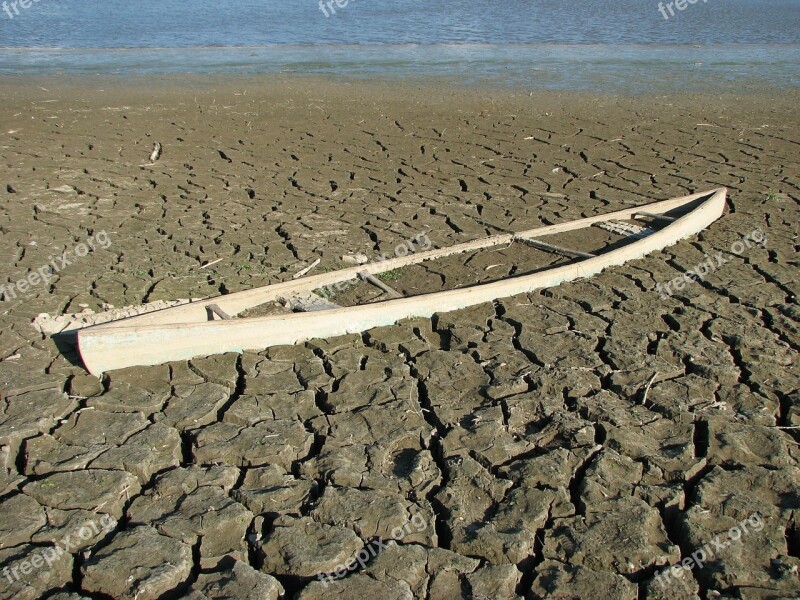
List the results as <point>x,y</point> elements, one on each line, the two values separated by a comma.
<point>305,270</point>
<point>208,264</point>
<point>647,389</point>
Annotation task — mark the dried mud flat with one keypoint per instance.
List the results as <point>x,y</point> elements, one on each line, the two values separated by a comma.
<point>564,444</point>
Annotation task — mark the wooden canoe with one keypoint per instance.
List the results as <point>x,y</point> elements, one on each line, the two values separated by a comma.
<point>201,328</point>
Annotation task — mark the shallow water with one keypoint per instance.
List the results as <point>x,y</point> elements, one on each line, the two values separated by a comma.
<point>624,45</point>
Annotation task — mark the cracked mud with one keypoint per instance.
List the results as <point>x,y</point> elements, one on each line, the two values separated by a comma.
<point>569,443</point>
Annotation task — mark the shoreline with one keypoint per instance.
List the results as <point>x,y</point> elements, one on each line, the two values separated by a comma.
<point>143,86</point>
<point>630,69</point>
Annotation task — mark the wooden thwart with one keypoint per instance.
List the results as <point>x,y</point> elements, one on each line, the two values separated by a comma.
<point>662,218</point>
<point>364,276</point>
<point>213,309</point>
<point>555,249</point>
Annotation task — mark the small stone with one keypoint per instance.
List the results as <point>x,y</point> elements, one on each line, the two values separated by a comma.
<point>355,259</point>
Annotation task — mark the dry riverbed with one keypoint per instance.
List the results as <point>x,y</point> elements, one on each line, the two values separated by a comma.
<point>570,443</point>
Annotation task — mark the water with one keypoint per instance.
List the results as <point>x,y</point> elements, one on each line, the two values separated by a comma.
<point>624,45</point>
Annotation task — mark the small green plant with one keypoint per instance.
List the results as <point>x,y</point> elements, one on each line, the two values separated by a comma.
<point>334,265</point>
<point>772,197</point>
<point>246,266</point>
<point>140,273</point>
<point>392,275</point>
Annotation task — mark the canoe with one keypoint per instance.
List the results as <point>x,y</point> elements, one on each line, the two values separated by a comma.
<point>204,327</point>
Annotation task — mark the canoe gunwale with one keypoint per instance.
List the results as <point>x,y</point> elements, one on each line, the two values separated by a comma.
<point>238,302</point>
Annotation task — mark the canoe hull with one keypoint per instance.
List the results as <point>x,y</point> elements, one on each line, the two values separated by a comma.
<point>181,333</point>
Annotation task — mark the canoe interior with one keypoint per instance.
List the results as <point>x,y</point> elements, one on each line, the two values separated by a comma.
<point>477,267</point>
<point>459,270</point>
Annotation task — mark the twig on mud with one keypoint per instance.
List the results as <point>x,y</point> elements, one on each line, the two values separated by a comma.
<point>97,508</point>
<point>7,462</point>
<point>411,403</point>
<point>584,369</point>
<point>302,272</point>
<point>208,264</point>
<point>711,404</point>
<point>647,389</point>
